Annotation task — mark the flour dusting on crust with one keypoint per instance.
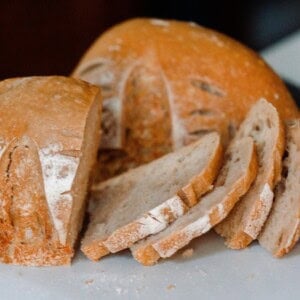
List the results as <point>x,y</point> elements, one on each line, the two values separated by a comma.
<point>290,241</point>
<point>197,228</point>
<point>159,22</point>
<point>2,146</point>
<point>58,173</point>
<point>157,219</point>
<point>255,224</point>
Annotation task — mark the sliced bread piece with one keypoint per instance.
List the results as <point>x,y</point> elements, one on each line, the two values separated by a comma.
<point>145,200</point>
<point>282,229</point>
<point>234,180</point>
<point>246,220</point>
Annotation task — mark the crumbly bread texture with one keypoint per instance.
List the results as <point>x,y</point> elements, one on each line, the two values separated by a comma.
<point>145,200</point>
<point>234,180</point>
<point>282,229</point>
<point>159,95</point>
<point>246,220</point>
<point>49,136</point>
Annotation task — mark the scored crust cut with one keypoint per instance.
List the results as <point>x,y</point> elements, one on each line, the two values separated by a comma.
<point>145,200</point>
<point>234,180</point>
<point>159,95</point>
<point>282,229</point>
<point>49,137</point>
<point>246,220</point>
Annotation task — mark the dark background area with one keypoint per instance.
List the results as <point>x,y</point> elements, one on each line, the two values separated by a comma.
<point>48,37</point>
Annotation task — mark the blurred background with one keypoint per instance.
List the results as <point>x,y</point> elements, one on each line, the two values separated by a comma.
<point>48,37</point>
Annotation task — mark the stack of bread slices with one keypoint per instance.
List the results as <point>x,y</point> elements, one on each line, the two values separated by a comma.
<point>197,133</point>
<point>251,196</point>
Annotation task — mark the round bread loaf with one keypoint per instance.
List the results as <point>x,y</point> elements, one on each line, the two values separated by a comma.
<point>166,83</point>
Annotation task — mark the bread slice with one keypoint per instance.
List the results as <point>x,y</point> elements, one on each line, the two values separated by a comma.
<point>49,137</point>
<point>234,180</point>
<point>282,229</point>
<point>245,221</point>
<point>145,200</point>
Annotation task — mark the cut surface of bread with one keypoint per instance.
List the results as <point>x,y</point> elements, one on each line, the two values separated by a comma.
<point>145,200</point>
<point>234,180</point>
<point>191,79</point>
<point>282,229</point>
<point>245,221</point>
<point>49,137</point>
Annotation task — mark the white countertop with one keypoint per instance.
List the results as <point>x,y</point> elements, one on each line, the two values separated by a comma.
<point>284,57</point>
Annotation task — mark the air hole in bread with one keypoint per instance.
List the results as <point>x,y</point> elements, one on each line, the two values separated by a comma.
<point>202,112</point>
<point>257,127</point>
<point>237,160</point>
<point>228,157</point>
<point>109,154</point>
<point>207,87</point>
<point>108,125</point>
<point>231,130</point>
<point>201,132</point>
<point>280,239</point>
<point>285,171</point>
<point>269,123</point>
<point>127,132</point>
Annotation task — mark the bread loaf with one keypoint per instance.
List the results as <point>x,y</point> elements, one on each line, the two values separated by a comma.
<point>145,200</point>
<point>282,229</point>
<point>246,220</point>
<point>49,135</point>
<point>166,83</point>
<point>234,180</point>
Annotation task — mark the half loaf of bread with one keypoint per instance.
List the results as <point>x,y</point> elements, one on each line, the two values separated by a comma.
<point>159,95</point>
<point>145,200</point>
<point>234,180</point>
<point>282,229</point>
<point>246,220</point>
<point>49,134</point>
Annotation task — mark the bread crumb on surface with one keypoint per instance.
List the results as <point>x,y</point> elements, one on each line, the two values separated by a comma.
<point>171,287</point>
<point>187,253</point>
<point>89,281</point>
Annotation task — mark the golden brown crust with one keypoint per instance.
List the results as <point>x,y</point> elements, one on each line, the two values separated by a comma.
<point>42,126</point>
<point>202,183</point>
<point>95,250</point>
<point>186,81</point>
<point>285,250</point>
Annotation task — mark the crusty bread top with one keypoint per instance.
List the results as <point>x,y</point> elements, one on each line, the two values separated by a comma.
<point>43,121</point>
<point>184,81</point>
<point>141,193</point>
<point>282,229</point>
<point>48,109</point>
<point>203,71</point>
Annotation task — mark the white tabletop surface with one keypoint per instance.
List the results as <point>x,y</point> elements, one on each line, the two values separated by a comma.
<point>212,272</point>
<point>284,57</point>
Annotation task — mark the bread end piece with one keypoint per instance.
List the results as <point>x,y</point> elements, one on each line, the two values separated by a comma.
<point>45,163</point>
<point>282,229</point>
